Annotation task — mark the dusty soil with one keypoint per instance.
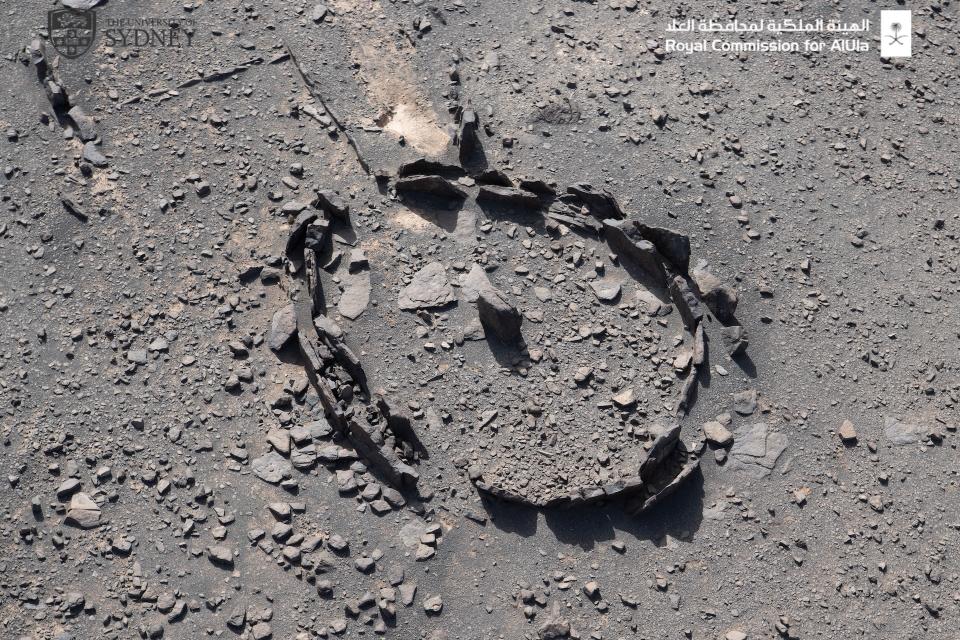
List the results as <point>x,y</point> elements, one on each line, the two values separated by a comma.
<point>169,474</point>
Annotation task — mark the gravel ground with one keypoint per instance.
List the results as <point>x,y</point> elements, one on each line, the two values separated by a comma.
<point>173,468</point>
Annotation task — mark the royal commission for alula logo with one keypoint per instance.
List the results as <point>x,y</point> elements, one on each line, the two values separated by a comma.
<point>896,33</point>
<point>794,34</point>
<point>72,33</point>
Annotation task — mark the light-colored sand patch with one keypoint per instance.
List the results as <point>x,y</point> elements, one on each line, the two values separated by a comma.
<point>406,219</point>
<point>418,129</point>
<point>389,78</point>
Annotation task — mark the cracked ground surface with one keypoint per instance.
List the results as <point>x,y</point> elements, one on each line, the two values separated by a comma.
<point>136,302</point>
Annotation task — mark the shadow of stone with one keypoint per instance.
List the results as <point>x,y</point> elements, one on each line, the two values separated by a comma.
<point>383,183</point>
<point>742,360</point>
<point>679,517</point>
<point>343,229</point>
<point>517,215</point>
<point>582,526</point>
<point>441,212</point>
<point>704,372</point>
<point>510,517</point>
<point>647,280</point>
<point>475,161</point>
<point>402,425</point>
<point>470,146</point>
<point>745,362</point>
<point>505,354</point>
<point>290,354</point>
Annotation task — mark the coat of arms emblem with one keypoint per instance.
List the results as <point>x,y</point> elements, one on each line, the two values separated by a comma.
<point>71,32</point>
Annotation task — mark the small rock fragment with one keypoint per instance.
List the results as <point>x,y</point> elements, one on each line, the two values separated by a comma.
<point>847,432</point>
<point>717,434</point>
<point>83,512</point>
<point>271,467</point>
<point>498,317</point>
<point>605,290</point>
<point>93,155</point>
<point>901,433</point>
<point>220,555</point>
<point>734,340</point>
<point>283,327</point>
<point>319,12</point>
<point>433,604</point>
<point>745,402</point>
<point>429,288</point>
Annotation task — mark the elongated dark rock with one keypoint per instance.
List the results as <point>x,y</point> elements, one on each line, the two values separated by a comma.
<point>430,185</point>
<point>623,239</point>
<point>601,203</point>
<point>686,302</point>
<point>508,196</point>
<point>673,245</point>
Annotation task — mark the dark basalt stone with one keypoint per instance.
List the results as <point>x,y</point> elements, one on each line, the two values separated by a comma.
<point>328,202</point>
<point>600,203</point>
<point>494,177</point>
<point>510,196</point>
<point>427,167</point>
<point>686,301</point>
<point>625,241</point>
<point>538,187</point>
<point>721,298</point>
<point>430,185</point>
<point>499,317</point>
<point>674,245</point>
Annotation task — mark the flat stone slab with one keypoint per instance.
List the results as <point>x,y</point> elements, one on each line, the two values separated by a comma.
<point>606,290</point>
<point>356,296</point>
<point>756,449</point>
<point>429,288</point>
<point>83,513</point>
<point>473,282</point>
<point>271,467</point>
<point>283,327</point>
<point>899,433</point>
